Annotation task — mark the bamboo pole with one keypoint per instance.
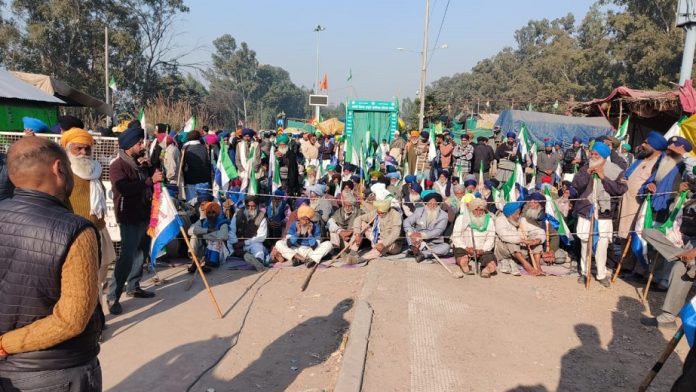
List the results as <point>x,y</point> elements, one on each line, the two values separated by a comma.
<point>200,271</point>
<point>623,256</point>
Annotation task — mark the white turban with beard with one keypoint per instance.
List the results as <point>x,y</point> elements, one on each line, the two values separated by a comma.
<point>88,169</point>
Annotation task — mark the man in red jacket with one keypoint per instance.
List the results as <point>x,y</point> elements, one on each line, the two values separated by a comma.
<point>131,181</point>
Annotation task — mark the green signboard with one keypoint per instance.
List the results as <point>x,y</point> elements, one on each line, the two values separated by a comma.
<point>370,122</point>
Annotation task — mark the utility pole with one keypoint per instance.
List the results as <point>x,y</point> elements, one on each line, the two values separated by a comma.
<point>106,71</point>
<point>686,18</point>
<point>424,64</point>
<point>318,30</point>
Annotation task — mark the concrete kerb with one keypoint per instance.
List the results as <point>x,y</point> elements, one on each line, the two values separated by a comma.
<point>350,376</point>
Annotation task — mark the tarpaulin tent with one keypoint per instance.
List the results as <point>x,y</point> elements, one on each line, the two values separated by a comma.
<point>331,127</point>
<point>554,127</point>
<point>301,125</point>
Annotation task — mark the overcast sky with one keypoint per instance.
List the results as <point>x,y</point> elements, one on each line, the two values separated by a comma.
<point>364,36</point>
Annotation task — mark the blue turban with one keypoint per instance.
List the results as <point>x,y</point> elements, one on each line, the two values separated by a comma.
<point>224,134</point>
<point>130,137</point>
<point>559,144</point>
<point>317,189</point>
<point>430,194</point>
<point>416,188</point>
<point>489,184</point>
<point>680,142</point>
<point>656,141</point>
<point>425,134</point>
<point>355,178</point>
<point>537,196</point>
<point>34,124</point>
<point>396,175</point>
<point>601,149</point>
<point>577,139</point>
<point>511,208</point>
<point>548,143</point>
<point>511,134</point>
<point>410,179</point>
<point>248,132</point>
<point>573,192</point>
<point>445,173</point>
<point>470,182</point>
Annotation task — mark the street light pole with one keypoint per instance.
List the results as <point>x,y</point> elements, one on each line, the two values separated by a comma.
<point>317,30</point>
<point>424,63</point>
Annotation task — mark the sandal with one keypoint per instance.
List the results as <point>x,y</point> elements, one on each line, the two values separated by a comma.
<point>485,273</point>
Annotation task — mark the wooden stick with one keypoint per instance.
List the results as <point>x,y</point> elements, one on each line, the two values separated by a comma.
<point>473,243</point>
<point>588,257</point>
<point>200,271</point>
<point>458,275</point>
<point>548,238</point>
<point>646,290</point>
<point>671,345</point>
<point>623,256</point>
<point>314,268</point>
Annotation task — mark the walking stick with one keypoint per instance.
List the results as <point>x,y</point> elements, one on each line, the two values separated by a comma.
<point>200,271</point>
<point>590,239</point>
<point>457,275</point>
<point>671,345</point>
<point>473,243</point>
<point>535,264</point>
<point>623,256</point>
<point>314,268</point>
<point>646,290</point>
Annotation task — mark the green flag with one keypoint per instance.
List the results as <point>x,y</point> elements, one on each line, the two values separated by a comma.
<point>350,75</point>
<point>623,129</point>
<point>112,84</point>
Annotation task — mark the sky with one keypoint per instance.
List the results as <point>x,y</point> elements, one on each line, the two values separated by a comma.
<point>363,37</point>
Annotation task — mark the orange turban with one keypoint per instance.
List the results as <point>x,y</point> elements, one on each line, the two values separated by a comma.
<point>305,211</point>
<point>76,135</point>
<point>211,206</point>
<point>415,134</point>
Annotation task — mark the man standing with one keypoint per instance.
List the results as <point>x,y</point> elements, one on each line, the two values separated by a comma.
<point>310,150</point>
<point>484,156</point>
<point>195,164</point>
<point>426,226</point>
<point>647,155</point>
<point>50,319</point>
<point>517,239</point>
<point>547,163</point>
<point>600,180</point>
<point>88,198</point>
<point>303,241</point>
<point>473,238</point>
<point>463,154</point>
<point>506,154</point>
<point>247,157</point>
<point>381,227</point>
<point>411,152</point>
<point>131,181</point>
<point>289,170</point>
<point>574,157</point>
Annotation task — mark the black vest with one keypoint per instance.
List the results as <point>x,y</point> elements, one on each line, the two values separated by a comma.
<point>36,232</point>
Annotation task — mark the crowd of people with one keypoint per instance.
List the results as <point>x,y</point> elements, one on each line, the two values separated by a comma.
<point>271,197</point>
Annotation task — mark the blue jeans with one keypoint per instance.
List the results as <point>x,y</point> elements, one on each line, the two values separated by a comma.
<point>129,266</point>
<point>83,378</point>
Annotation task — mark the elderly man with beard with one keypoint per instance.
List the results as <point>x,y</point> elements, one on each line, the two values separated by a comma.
<point>310,149</point>
<point>647,155</point>
<point>289,170</point>
<point>132,181</point>
<point>381,227</point>
<point>473,239</point>
<point>248,231</point>
<point>209,237</point>
<point>535,213</point>
<point>426,226</point>
<point>516,237</point>
<point>88,198</point>
<point>320,205</point>
<point>341,222</point>
<point>506,155</point>
<point>599,181</point>
<point>443,186</point>
<point>277,212</point>
<point>303,244</point>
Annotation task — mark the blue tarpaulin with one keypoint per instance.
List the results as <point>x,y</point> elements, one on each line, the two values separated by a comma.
<point>554,127</point>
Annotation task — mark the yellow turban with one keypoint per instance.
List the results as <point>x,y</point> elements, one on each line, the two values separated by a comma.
<point>468,198</point>
<point>76,135</point>
<point>415,134</point>
<point>305,211</point>
<point>382,205</point>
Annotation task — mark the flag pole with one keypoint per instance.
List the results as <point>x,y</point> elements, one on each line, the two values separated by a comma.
<point>200,272</point>
<point>623,256</point>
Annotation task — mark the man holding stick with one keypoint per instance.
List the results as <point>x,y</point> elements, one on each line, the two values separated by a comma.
<point>303,241</point>
<point>603,179</point>
<point>473,238</point>
<point>426,225</point>
<point>514,234</point>
<point>382,227</point>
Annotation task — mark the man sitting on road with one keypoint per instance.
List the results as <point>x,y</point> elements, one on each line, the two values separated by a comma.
<point>514,235</point>
<point>424,228</point>
<point>382,227</point>
<point>303,241</point>
<point>473,238</point>
<point>341,222</point>
<point>209,236</point>
<point>248,230</point>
